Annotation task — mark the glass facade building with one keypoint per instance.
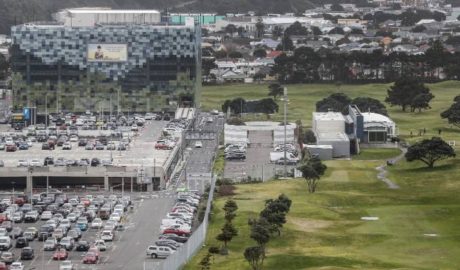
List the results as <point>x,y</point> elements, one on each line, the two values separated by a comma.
<point>138,67</point>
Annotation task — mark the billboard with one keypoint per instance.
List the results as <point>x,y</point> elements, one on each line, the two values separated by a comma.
<point>107,52</point>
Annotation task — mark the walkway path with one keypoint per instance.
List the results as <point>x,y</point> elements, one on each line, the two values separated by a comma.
<point>382,169</point>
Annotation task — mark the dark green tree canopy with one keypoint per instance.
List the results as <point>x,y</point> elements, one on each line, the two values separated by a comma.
<point>260,231</point>
<point>260,53</point>
<point>275,90</point>
<point>337,102</point>
<point>312,170</point>
<point>228,231</point>
<point>367,104</point>
<point>255,257</point>
<point>405,91</point>
<point>452,114</point>
<point>296,29</point>
<point>430,151</point>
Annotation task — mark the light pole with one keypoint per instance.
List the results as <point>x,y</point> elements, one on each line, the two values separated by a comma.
<point>46,110</point>
<point>285,101</point>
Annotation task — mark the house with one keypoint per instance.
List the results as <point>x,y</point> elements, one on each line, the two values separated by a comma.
<point>267,42</point>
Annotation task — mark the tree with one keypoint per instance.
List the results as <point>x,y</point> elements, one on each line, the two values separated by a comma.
<point>230,206</point>
<point>366,104</point>
<point>228,231</point>
<point>205,263</point>
<point>4,66</point>
<point>275,90</point>
<point>337,30</point>
<point>286,44</point>
<point>220,54</point>
<point>421,101</point>
<point>430,151</point>
<point>453,113</point>
<point>316,31</point>
<point>404,91</point>
<point>337,102</point>
<point>267,106</point>
<point>236,105</point>
<point>231,29</point>
<point>255,257</point>
<point>275,213</point>
<point>312,170</point>
<point>309,137</point>
<point>260,232</point>
<point>296,29</point>
<point>260,28</point>
<point>336,7</point>
<point>260,53</point>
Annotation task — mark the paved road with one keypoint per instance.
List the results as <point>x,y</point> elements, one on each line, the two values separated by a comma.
<point>200,162</point>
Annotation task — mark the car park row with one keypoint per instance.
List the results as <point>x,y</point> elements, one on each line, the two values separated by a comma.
<point>64,220</point>
<point>176,228</point>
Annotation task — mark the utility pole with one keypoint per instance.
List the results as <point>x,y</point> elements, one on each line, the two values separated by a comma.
<point>46,110</point>
<point>285,100</point>
<point>118,102</point>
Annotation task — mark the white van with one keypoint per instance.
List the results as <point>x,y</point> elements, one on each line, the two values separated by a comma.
<point>159,251</point>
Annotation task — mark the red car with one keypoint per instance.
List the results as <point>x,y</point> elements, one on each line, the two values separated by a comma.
<point>60,254</point>
<point>3,217</point>
<point>90,258</point>
<point>176,231</point>
<point>11,148</point>
<point>3,266</point>
<point>94,250</point>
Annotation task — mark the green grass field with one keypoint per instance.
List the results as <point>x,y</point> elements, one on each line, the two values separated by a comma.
<point>324,230</point>
<point>303,98</point>
<point>418,223</point>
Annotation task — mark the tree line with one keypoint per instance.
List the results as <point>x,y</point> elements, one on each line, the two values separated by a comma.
<point>306,65</point>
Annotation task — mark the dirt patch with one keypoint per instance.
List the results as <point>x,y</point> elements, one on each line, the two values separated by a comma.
<point>309,225</point>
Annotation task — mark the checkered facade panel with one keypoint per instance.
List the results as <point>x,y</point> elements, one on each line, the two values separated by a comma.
<point>69,45</point>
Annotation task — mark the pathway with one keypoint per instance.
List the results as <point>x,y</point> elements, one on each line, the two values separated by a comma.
<point>382,169</point>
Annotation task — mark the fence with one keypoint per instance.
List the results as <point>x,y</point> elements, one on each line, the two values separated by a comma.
<point>194,243</point>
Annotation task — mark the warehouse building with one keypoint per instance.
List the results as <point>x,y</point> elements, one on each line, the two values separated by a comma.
<point>103,59</point>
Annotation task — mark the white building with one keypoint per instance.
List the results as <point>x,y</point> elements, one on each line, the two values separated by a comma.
<point>329,129</point>
<point>81,17</point>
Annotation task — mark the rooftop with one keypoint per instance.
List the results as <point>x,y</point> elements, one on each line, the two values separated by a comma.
<point>328,116</point>
<point>110,11</point>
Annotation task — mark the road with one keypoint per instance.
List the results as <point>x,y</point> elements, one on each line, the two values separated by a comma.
<point>200,162</point>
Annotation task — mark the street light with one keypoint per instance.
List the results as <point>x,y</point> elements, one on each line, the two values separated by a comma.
<point>285,101</point>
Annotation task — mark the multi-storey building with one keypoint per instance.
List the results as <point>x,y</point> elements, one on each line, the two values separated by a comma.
<point>103,59</point>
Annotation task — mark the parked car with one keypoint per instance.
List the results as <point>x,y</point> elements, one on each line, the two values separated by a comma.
<point>90,258</point>
<point>17,266</point>
<point>50,244</point>
<point>7,257</point>
<point>66,265</point>
<point>61,254</point>
<point>82,246</point>
<point>27,253</point>
<point>21,242</point>
<point>159,251</point>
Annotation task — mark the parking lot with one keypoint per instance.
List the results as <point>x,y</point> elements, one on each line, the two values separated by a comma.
<point>257,163</point>
<point>126,251</point>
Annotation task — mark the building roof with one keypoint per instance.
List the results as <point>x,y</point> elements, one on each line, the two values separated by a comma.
<point>373,119</point>
<point>110,11</point>
<point>328,116</point>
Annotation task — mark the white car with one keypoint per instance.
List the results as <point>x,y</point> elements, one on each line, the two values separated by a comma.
<point>66,265</point>
<point>23,163</point>
<point>97,223</point>
<point>36,163</point>
<point>74,138</point>
<point>100,244</point>
<point>46,215</point>
<point>198,144</point>
<point>67,146</point>
<point>134,128</point>
<point>17,266</point>
<point>107,235</point>
<point>115,217</point>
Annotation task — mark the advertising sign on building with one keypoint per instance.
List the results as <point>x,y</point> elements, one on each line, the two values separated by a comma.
<point>107,52</point>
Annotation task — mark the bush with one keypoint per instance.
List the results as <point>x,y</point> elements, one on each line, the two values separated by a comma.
<point>226,190</point>
<point>214,250</point>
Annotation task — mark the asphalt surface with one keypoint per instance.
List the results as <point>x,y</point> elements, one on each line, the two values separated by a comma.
<point>257,164</point>
<point>200,161</point>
